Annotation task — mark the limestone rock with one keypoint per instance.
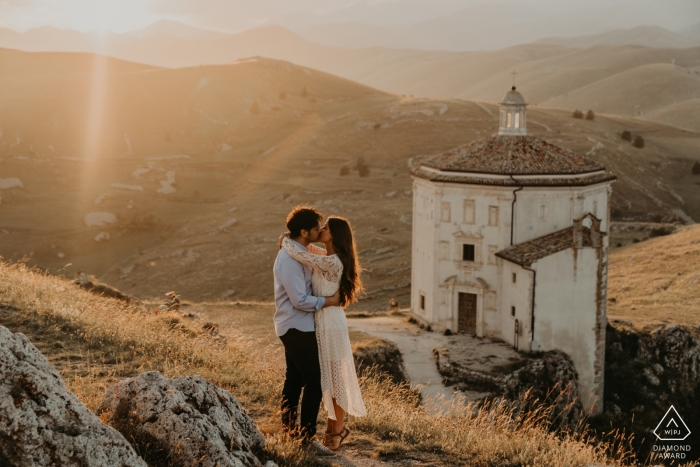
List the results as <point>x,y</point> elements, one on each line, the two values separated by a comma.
<point>182,422</point>
<point>42,423</point>
<point>551,379</point>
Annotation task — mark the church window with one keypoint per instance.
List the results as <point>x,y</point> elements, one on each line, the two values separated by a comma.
<point>514,278</point>
<point>469,211</point>
<point>493,215</point>
<point>517,120</point>
<point>512,311</point>
<point>445,212</point>
<point>422,301</point>
<point>467,252</point>
<point>508,120</point>
<point>542,212</point>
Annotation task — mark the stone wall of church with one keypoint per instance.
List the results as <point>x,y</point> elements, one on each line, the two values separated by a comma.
<point>424,300</point>
<point>567,315</point>
<point>516,304</point>
<point>540,211</point>
<point>462,215</point>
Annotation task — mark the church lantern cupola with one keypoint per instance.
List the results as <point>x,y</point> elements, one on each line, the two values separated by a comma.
<point>513,114</point>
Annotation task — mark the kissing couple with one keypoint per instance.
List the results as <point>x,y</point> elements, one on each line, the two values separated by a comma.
<point>312,284</point>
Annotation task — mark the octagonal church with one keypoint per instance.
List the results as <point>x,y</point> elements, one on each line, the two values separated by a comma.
<point>509,242</point>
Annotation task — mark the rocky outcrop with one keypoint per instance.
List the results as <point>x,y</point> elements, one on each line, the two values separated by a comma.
<point>182,422</point>
<point>42,423</point>
<point>646,372</point>
<point>551,378</point>
<point>454,374</point>
<point>385,357</point>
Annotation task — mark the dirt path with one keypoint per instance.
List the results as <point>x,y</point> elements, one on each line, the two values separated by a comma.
<point>416,346</point>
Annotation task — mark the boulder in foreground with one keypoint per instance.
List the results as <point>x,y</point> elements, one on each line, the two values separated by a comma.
<point>182,422</point>
<point>42,423</point>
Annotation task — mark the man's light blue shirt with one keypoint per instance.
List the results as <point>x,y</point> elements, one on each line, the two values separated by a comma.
<point>294,300</point>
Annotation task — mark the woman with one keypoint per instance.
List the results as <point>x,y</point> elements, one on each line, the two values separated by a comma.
<point>335,268</point>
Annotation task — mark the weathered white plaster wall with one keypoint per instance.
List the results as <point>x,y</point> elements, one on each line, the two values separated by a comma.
<point>423,252</point>
<point>519,295</point>
<point>560,205</point>
<point>566,314</point>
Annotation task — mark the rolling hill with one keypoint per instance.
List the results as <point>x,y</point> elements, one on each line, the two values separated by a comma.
<point>156,179</point>
<point>647,36</point>
<point>639,91</point>
<point>553,74</point>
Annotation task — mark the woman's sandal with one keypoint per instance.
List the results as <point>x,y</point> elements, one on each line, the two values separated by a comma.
<point>328,439</point>
<point>342,435</point>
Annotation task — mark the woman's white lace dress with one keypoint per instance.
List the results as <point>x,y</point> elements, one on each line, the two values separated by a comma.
<point>338,375</point>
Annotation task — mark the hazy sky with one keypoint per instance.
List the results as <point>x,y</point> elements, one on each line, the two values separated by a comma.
<point>234,15</point>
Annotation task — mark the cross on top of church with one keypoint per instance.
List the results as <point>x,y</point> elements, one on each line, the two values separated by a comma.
<point>514,73</point>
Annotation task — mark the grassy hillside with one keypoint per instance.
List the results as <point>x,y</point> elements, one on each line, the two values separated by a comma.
<point>168,180</point>
<point>657,280</point>
<point>94,342</point>
<point>641,91</point>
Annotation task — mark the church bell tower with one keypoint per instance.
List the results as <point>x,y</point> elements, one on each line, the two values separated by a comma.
<point>513,122</point>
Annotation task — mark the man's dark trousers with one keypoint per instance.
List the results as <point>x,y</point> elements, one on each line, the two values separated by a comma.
<point>303,371</point>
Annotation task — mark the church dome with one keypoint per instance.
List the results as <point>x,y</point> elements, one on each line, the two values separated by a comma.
<point>513,97</point>
<point>512,155</point>
<point>492,161</point>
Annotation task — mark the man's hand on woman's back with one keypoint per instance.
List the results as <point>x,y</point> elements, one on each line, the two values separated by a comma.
<point>332,301</point>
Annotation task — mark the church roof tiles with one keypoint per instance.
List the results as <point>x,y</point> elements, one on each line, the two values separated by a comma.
<point>512,155</point>
<point>527,253</point>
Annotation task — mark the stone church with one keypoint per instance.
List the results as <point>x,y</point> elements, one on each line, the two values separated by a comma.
<point>510,242</point>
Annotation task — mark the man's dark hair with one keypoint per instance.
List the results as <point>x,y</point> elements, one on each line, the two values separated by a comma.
<point>303,218</point>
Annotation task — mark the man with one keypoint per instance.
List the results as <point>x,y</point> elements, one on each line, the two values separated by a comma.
<point>294,324</point>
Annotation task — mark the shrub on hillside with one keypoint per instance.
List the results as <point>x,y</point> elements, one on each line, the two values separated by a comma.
<point>304,92</point>
<point>283,95</point>
<point>638,142</point>
<point>363,170</point>
<point>696,168</point>
<point>254,108</point>
<point>590,115</point>
<point>578,114</point>
<point>626,135</point>
<point>345,170</point>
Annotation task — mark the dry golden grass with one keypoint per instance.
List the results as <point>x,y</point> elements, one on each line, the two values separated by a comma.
<point>657,280</point>
<point>95,341</point>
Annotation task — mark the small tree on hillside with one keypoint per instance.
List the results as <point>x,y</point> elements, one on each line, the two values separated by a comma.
<point>590,115</point>
<point>578,114</point>
<point>626,136</point>
<point>638,142</point>
<point>696,168</point>
<point>304,93</point>
<point>363,170</point>
<point>362,167</point>
<point>345,170</point>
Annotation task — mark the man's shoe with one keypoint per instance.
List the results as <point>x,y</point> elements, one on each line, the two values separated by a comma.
<point>320,449</point>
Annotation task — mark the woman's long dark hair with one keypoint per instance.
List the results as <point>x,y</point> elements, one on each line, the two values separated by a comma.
<point>344,244</point>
